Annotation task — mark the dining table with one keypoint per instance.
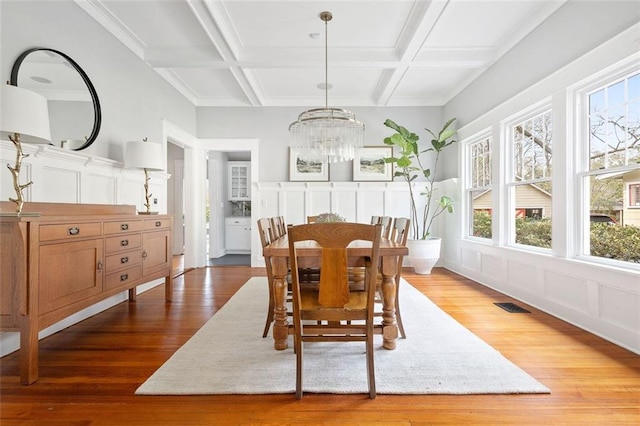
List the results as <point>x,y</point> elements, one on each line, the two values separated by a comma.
<point>309,256</point>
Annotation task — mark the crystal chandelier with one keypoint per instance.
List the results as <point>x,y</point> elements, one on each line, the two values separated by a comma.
<point>326,133</point>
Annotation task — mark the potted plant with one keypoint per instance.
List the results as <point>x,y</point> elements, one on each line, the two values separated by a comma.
<point>424,250</point>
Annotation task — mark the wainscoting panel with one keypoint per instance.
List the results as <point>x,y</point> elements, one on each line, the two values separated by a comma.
<point>491,266</point>
<point>469,260</point>
<point>99,189</point>
<point>60,185</point>
<point>318,199</point>
<point>522,276</point>
<point>345,201</point>
<point>294,205</point>
<point>594,297</point>
<point>567,291</point>
<point>371,198</point>
<point>620,307</point>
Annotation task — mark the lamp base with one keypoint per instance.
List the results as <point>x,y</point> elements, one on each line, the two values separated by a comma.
<point>21,214</point>
<point>147,212</point>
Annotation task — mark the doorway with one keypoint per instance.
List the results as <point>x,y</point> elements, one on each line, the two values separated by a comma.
<point>219,153</point>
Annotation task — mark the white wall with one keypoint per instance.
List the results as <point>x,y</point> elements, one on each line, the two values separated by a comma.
<point>575,29</point>
<point>597,297</point>
<point>270,125</point>
<point>133,97</point>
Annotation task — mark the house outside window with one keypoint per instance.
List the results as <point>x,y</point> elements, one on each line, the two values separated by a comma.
<point>634,195</point>
<point>478,188</point>
<point>610,169</point>
<point>529,185</point>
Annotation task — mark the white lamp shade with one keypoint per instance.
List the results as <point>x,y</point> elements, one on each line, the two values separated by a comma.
<point>144,155</point>
<point>24,112</point>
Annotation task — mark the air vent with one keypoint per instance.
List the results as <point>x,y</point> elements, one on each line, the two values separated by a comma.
<point>512,308</point>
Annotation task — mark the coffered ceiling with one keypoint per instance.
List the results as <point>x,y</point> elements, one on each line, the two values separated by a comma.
<point>271,53</point>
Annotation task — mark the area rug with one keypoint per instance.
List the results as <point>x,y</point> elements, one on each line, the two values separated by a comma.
<point>439,356</point>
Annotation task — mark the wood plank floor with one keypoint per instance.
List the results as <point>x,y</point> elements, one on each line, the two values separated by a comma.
<point>89,371</point>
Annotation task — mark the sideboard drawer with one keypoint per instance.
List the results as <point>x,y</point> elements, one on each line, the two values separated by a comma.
<point>160,223</point>
<point>123,226</point>
<point>122,278</point>
<point>122,243</point>
<point>123,260</point>
<point>70,231</point>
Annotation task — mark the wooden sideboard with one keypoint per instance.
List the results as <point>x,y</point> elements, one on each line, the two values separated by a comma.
<point>57,259</point>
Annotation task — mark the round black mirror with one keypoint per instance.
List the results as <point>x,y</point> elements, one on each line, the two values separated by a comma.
<point>74,107</point>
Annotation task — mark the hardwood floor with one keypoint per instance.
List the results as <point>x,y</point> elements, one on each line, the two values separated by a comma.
<point>89,372</point>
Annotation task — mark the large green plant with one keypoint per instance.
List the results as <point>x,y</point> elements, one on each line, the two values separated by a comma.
<point>408,166</point>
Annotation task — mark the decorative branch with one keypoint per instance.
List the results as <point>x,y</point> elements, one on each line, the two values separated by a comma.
<point>15,173</point>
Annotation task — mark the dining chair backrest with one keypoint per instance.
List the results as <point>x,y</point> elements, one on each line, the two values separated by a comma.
<point>375,220</point>
<point>312,219</point>
<point>400,230</point>
<point>333,311</point>
<point>386,222</point>
<point>282,225</point>
<point>276,228</point>
<point>265,232</point>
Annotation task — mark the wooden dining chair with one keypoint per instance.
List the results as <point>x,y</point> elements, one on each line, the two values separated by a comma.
<point>399,233</point>
<point>312,219</point>
<point>335,312</point>
<point>386,222</point>
<point>265,232</point>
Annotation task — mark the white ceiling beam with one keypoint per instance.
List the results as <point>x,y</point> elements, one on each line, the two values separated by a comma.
<point>414,34</point>
<point>205,16</point>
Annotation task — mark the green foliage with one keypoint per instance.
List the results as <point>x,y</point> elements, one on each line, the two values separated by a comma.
<point>329,217</point>
<point>607,240</point>
<point>482,225</point>
<point>409,167</point>
<point>533,232</point>
<point>615,242</point>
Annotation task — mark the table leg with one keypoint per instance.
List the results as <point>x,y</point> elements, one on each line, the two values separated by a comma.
<point>280,324</point>
<point>389,324</point>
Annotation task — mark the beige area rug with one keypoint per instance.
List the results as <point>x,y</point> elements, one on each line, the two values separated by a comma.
<point>439,356</point>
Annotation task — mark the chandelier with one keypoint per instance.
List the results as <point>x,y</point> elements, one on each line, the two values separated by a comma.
<point>327,133</point>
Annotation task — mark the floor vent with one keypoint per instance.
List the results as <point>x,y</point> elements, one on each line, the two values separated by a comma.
<point>512,308</point>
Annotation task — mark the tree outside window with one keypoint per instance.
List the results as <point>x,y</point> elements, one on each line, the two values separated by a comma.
<point>530,186</point>
<point>613,175</point>
<point>479,194</point>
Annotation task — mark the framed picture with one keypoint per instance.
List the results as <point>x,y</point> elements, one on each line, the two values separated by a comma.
<point>369,165</point>
<point>301,170</point>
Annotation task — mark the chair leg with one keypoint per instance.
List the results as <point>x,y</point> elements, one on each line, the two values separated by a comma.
<point>270,313</point>
<point>298,350</point>
<point>398,315</point>
<point>371,377</point>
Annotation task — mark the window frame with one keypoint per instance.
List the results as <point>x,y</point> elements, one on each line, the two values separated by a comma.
<point>579,94</point>
<point>542,107</point>
<point>469,188</point>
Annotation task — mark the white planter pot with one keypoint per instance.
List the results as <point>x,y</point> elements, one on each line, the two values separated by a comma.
<point>423,254</point>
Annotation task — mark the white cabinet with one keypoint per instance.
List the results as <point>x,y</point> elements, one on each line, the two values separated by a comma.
<point>238,234</point>
<point>239,180</point>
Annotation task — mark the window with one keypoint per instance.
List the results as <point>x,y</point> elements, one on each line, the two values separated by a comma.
<point>479,196</point>
<point>611,172</point>
<point>634,195</point>
<point>530,181</point>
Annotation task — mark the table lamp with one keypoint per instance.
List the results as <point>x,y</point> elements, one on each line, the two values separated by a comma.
<point>24,118</point>
<point>146,156</point>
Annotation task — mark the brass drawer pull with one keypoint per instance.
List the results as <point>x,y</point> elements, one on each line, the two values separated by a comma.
<point>124,243</point>
<point>158,224</point>
<point>124,260</point>
<point>144,254</point>
<point>99,266</point>
<point>124,226</point>
<point>73,231</point>
<point>124,277</point>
